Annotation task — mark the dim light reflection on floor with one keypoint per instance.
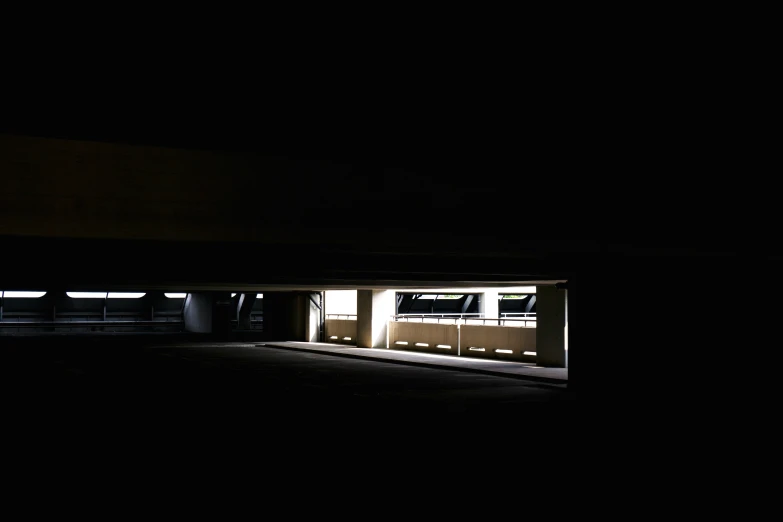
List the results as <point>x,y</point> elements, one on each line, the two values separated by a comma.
<point>424,355</point>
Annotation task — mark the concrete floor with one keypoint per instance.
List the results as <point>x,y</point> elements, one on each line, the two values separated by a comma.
<point>173,375</point>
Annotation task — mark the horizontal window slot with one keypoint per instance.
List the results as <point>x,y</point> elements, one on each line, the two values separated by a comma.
<point>476,349</point>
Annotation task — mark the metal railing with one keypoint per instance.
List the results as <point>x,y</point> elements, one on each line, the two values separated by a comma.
<point>341,316</point>
<point>464,318</point>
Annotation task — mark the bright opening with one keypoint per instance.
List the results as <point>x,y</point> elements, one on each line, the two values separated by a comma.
<point>176,296</point>
<point>126,295</point>
<point>405,343</point>
<point>448,346</point>
<point>474,349</point>
<point>529,353</point>
<point>87,295</point>
<point>450,296</point>
<point>333,337</point>
<point>23,294</point>
<point>259,296</point>
<point>232,295</point>
<point>503,351</point>
<point>340,302</point>
<point>422,344</point>
<point>346,338</point>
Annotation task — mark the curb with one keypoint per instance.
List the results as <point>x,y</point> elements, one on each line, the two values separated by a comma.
<point>560,384</point>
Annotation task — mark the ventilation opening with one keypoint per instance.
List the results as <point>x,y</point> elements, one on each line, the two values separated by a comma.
<point>175,295</point>
<point>476,349</point>
<point>422,344</point>
<point>334,337</point>
<point>446,346</point>
<point>346,338</point>
<point>404,343</point>
<point>529,353</point>
<point>503,351</point>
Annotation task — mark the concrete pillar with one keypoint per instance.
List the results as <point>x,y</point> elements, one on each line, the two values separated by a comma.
<point>208,312</point>
<point>373,309</point>
<point>313,317</point>
<point>291,316</point>
<point>551,326</point>
<point>244,306</point>
<point>488,303</point>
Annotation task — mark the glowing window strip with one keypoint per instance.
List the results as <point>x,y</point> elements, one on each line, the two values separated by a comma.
<point>346,338</point>
<point>503,351</point>
<point>474,349</point>
<point>422,344</point>
<point>29,295</point>
<point>447,346</point>
<point>404,343</point>
<point>175,295</point>
<point>87,295</point>
<point>126,295</point>
<point>529,353</point>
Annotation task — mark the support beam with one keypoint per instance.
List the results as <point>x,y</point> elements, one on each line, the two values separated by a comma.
<point>468,299</point>
<point>551,326</point>
<point>373,310</point>
<point>244,307</point>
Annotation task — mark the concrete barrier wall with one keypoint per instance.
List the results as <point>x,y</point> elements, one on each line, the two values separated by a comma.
<point>341,328</point>
<point>429,334</point>
<point>492,338</point>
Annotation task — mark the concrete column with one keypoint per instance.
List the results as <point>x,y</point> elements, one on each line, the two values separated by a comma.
<point>208,312</point>
<point>312,317</point>
<point>551,326</point>
<point>291,316</point>
<point>284,318</point>
<point>488,303</point>
<point>373,309</point>
<point>244,306</point>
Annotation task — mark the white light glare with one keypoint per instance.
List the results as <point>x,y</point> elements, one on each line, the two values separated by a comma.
<point>175,295</point>
<point>422,344</point>
<point>503,351</point>
<point>529,353</point>
<point>23,294</point>
<point>87,295</point>
<point>126,295</point>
